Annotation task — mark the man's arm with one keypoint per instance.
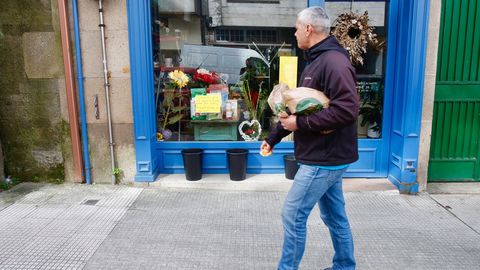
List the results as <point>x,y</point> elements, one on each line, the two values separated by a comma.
<point>344,102</point>
<point>277,134</point>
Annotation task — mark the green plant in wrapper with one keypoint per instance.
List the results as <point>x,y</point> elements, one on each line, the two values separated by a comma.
<point>256,105</point>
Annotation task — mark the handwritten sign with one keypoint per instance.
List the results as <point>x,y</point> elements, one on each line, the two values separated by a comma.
<point>288,70</point>
<point>209,103</point>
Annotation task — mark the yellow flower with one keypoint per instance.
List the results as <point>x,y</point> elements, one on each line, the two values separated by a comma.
<point>178,78</point>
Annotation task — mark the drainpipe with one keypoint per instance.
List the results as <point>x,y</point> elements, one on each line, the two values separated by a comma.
<point>70,89</point>
<point>81,92</point>
<point>107,85</point>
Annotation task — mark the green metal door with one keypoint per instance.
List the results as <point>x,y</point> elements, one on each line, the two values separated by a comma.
<point>455,149</point>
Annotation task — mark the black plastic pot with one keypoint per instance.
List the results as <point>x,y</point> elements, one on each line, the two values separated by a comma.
<point>291,166</point>
<point>237,163</point>
<point>192,162</point>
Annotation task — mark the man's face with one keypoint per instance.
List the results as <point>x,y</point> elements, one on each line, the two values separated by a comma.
<point>302,35</point>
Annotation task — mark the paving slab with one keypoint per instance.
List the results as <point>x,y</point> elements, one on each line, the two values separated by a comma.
<point>464,207</point>
<point>201,229</point>
<point>453,188</point>
<point>60,227</point>
<point>9,197</point>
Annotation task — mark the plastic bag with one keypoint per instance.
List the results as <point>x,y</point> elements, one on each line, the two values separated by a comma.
<point>275,100</point>
<point>304,100</point>
<point>300,100</point>
<point>193,113</point>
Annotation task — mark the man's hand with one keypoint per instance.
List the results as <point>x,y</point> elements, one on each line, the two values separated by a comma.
<point>289,123</point>
<point>265,149</point>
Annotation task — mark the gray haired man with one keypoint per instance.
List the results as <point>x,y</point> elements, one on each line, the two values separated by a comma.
<point>323,156</point>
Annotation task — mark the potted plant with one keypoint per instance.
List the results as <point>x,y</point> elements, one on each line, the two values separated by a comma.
<point>371,112</point>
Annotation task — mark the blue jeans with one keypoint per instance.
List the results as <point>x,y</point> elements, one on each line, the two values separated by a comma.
<point>314,185</point>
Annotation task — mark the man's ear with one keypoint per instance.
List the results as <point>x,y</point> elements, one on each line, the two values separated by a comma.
<point>308,30</point>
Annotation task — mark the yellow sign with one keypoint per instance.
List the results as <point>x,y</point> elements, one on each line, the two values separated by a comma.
<point>288,70</point>
<point>209,103</point>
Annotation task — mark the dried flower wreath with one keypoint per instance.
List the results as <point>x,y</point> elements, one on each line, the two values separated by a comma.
<point>354,34</point>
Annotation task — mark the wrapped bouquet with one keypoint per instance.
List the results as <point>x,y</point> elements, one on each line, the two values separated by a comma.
<point>300,100</point>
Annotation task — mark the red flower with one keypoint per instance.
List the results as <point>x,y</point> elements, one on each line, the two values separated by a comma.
<point>206,77</point>
<point>249,131</point>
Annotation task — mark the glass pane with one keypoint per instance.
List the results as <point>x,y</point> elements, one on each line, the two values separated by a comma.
<point>370,73</point>
<point>175,6</point>
<point>228,57</point>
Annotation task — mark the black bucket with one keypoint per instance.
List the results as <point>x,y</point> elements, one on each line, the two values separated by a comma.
<point>237,163</point>
<point>291,166</point>
<point>192,162</point>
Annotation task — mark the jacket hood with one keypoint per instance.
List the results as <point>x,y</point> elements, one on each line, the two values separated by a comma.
<point>328,44</point>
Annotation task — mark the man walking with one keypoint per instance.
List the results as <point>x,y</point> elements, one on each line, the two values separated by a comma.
<point>323,156</point>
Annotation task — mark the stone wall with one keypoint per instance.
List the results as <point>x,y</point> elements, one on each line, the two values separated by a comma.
<point>429,92</point>
<point>2,172</point>
<point>31,77</point>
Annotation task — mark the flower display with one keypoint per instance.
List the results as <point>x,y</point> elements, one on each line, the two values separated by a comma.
<point>178,78</point>
<point>205,77</point>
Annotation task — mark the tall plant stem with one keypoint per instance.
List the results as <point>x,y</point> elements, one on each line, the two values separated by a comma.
<point>166,118</point>
<point>250,102</point>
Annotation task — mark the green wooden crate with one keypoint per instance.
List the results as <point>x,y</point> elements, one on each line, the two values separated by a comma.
<point>215,130</point>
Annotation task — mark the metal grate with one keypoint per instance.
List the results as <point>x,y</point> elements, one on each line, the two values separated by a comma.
<point>90,202</point>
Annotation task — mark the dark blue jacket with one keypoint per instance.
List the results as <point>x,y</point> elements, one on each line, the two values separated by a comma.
<point>329,71</point>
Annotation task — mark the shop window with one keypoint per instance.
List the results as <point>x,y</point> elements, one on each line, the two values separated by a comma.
<point>229,35</point>
<point>254,1</point>
<point>213,80</point>
<point>222,35</point>
<point>236,35</point>
<point>266,36</point>
<point>249,35</point>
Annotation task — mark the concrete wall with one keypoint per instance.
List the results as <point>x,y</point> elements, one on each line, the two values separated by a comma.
<point>115,18</point>
<point>429,92</point>
<point>31,129</point>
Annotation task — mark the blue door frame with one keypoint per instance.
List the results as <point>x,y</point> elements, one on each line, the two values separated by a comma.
<point>395,155</point>
<point>411,28</point>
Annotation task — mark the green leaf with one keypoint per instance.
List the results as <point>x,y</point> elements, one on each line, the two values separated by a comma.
<point>177,109</point>
<point>174,119</point>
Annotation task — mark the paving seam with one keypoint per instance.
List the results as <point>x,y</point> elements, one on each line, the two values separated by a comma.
<point>454,215</point>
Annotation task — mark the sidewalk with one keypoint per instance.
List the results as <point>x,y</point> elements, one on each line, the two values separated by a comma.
<point>166,227</point>
<point>259,182</point>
